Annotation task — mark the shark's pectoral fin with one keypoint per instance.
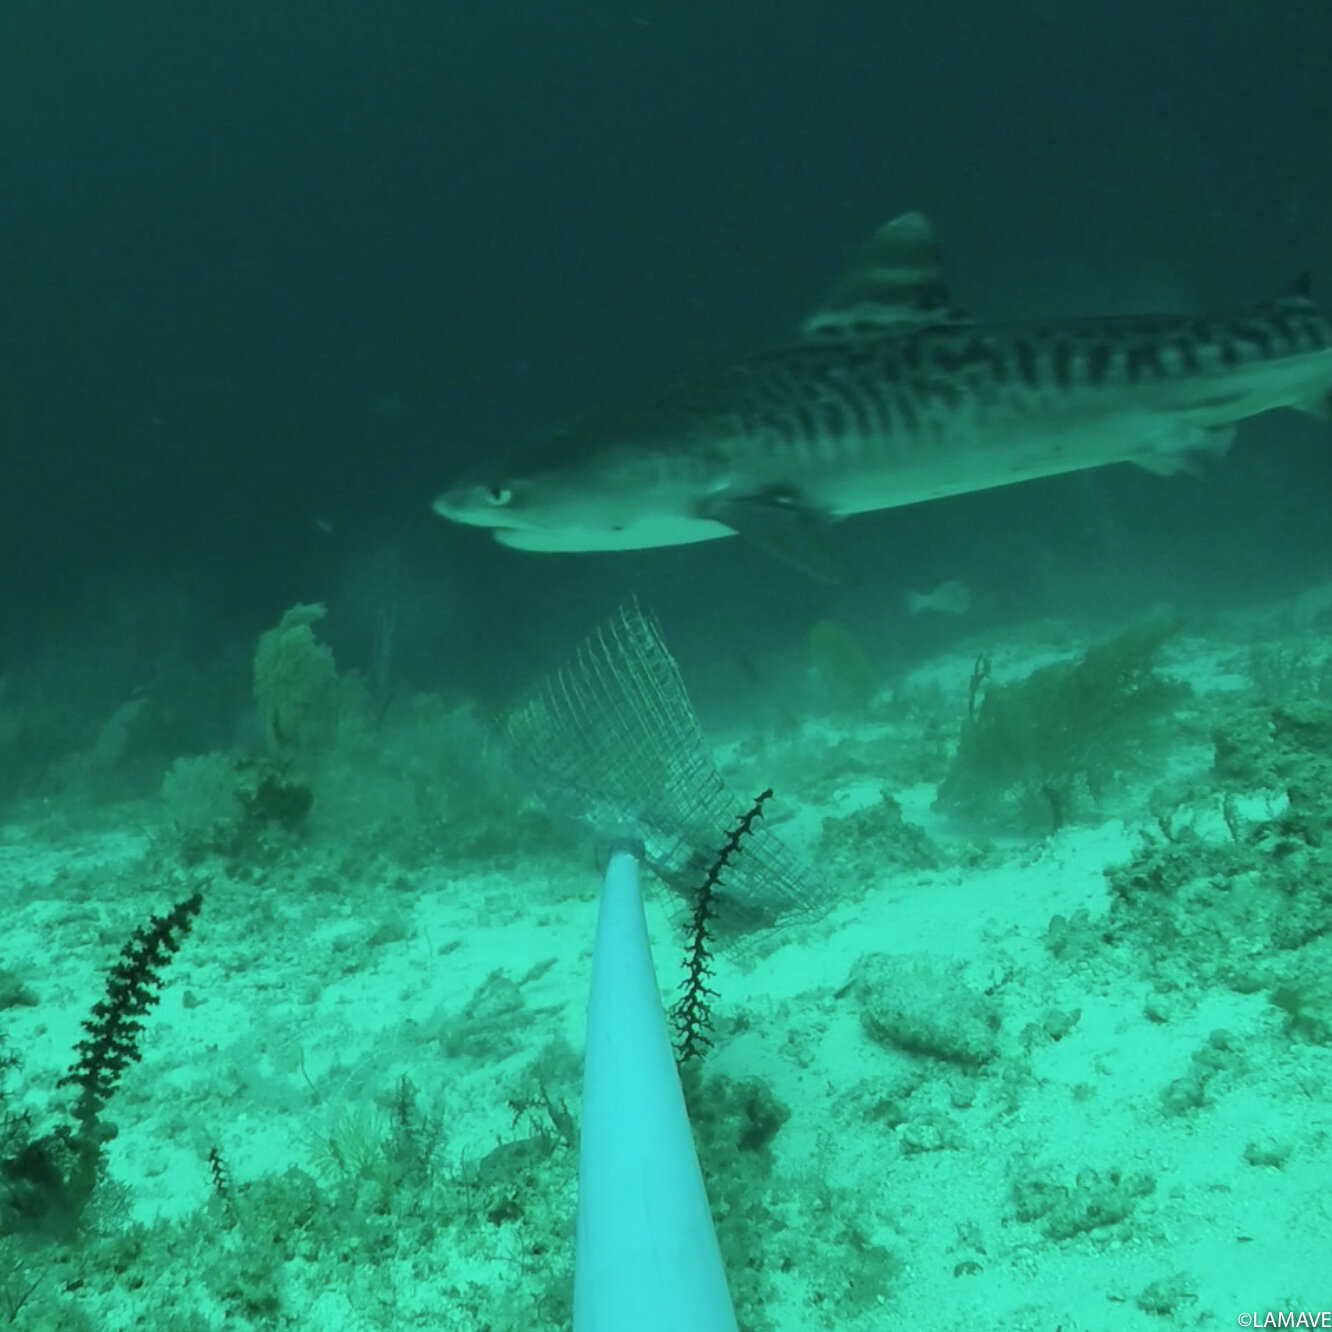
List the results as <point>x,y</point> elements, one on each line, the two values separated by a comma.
<point>779,523</point>
<point>1188,449</point>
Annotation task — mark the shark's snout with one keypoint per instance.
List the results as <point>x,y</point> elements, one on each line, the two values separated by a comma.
<point>478,504</point>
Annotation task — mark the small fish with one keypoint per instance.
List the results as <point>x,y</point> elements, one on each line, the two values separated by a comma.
<point>950,598</point>
<point>889,397</point>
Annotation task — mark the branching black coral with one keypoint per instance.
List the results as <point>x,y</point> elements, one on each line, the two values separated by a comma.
<point>46,1183</point>
<point>111,1040</point>
<point>692,1014</point>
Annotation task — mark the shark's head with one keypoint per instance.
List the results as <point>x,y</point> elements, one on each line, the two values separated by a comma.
<point>605,483</point>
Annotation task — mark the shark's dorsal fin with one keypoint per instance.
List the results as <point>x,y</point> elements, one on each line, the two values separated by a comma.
<point>1296,295</point>
<point>894,285</point>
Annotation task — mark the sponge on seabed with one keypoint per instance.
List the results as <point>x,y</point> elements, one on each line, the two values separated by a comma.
<point>916,1003</point>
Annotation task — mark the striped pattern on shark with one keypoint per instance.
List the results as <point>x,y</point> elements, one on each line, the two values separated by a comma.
<point>891,396</point>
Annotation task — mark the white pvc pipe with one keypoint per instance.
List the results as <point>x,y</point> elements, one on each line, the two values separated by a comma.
<point>646,1256</point>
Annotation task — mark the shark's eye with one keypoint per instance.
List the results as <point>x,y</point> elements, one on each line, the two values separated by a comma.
<point>499,496</point>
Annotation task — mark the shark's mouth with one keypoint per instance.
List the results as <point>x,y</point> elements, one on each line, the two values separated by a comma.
<point>642,534</point>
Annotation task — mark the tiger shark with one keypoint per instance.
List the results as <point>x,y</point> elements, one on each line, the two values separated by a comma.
<point>891,396</point>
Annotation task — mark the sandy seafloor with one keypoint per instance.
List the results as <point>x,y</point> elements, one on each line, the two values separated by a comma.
<point>382,1050</point>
